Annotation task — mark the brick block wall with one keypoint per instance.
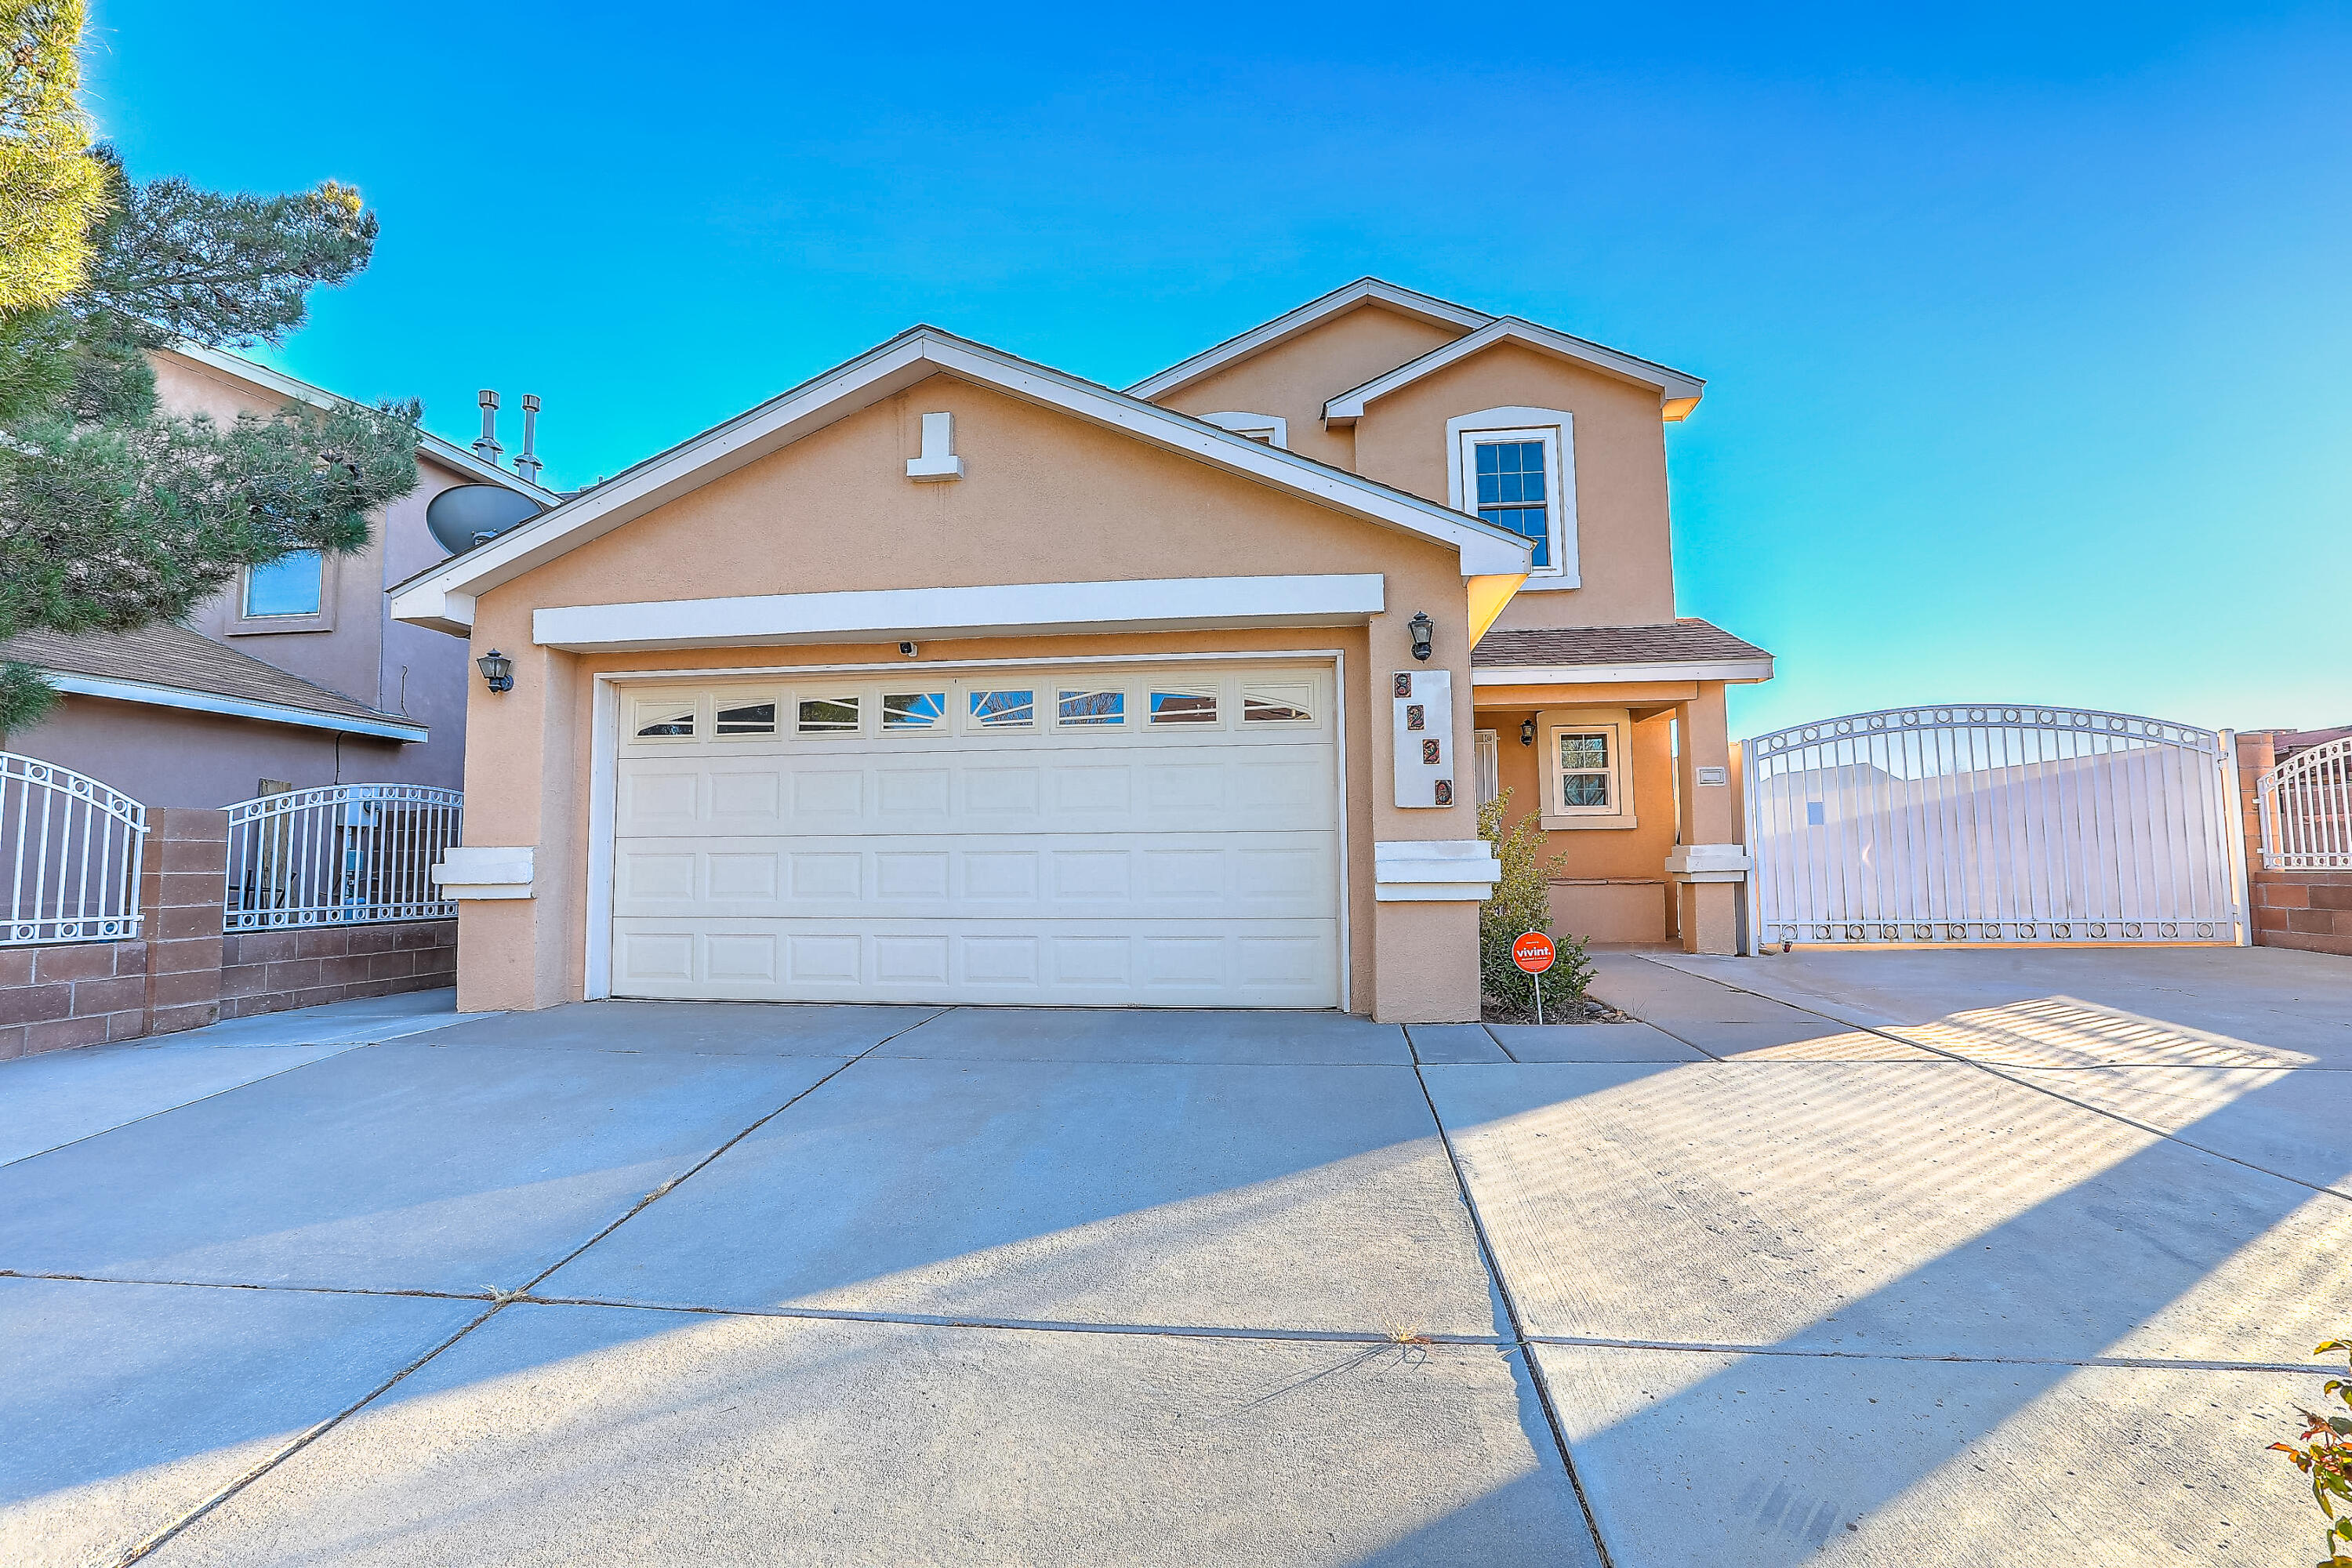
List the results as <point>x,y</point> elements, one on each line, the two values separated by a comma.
<point>2306,910</point>
<point>85,994</point>
<point>272,970</point>
<point>183,884</point>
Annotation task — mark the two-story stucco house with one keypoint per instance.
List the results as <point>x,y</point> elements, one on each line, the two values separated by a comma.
<point>949,676</point>
<point>295,675</point>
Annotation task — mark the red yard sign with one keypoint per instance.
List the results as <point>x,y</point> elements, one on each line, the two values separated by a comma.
<point>1533,952</point>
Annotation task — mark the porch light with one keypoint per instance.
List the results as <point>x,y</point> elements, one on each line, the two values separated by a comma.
<point>498,670</point>
<point>1421,627</point>
<point>1526,731</point>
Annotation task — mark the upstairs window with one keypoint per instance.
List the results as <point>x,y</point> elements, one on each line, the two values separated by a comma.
<point>1514,490</point>
<point>1515,468</point>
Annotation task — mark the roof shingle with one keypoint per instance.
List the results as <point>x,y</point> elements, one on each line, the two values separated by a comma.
<point>1688,641</point>
<point>175,655</point>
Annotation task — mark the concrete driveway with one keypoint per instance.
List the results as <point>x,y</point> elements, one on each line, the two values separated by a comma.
<point>1855,1258</point>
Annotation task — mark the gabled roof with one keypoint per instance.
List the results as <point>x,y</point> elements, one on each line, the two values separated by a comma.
<point>448,454</point>
<point>170,666</point>
<point>443,597</point>
<point>1678,392</point>
<point>1363,290</point>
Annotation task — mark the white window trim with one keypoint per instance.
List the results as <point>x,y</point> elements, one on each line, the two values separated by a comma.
<point>1273,426</point>
<point>1619,724</point>
<point>1556,427</point>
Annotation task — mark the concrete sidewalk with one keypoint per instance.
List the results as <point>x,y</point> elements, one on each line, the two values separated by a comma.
<point>1794,1269</point>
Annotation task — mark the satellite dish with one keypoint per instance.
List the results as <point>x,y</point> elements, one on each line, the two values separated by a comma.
<point>467,515</point>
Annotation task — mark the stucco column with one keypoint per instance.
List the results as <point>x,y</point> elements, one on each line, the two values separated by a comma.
<point>1428,883</point>
<point>513,879</point>
<point>1709,865</point>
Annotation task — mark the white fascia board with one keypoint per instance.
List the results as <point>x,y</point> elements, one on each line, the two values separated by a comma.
<point>1025,609</point>
<point>432,597</point>
<point>1740,671</point>
<point>1405,301</point>
<point>448,454</point>
<point>1674,386</point>
<point>232,707</point>
<point>1443,870</point>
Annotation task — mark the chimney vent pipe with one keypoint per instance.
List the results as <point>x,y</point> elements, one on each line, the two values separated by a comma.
<point>527,461</point>
<point>486,446</point>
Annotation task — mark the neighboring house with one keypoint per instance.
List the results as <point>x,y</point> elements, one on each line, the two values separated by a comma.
<point>947,677</point>
<point>295,675</point>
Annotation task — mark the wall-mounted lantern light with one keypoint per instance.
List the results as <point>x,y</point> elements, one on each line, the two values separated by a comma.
<point>1526,731</point>
<point>1421,627</point>
<point>496,670</point>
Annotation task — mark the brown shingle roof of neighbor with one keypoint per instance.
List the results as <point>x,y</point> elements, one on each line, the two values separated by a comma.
<point>173,656</point>
<point>1674,642</point>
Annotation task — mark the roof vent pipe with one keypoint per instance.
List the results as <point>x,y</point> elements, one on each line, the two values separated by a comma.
<point>486,446</point>
<point>527,462</point>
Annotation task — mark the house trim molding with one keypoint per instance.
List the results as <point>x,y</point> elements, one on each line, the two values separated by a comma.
<point>231,707</point>
<point>1678,392</point>
<point>1291,323</point>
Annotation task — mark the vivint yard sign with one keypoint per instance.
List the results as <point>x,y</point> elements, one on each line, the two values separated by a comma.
<point>1425,737</point>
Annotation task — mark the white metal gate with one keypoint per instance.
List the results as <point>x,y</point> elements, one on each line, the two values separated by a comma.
<point>2306,806</point>
<point>1976,824</point>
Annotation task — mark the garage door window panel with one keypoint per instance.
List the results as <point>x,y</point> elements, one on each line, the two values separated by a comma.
<point>829,715</point>
<point>1278,704</point>
<point>1082,708</point>
<point>1004,708</point>
<point>662,718</point>
<point>739,716</point>
<point>1194,707</point>
<point>904,713</point>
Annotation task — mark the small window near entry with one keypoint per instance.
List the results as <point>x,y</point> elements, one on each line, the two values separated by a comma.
<point>290,585</point>
<point>1490,765</point>
<point>828,716</point>
<point>904,710</point>
<point>1093,708</point>
<point>1277,705</point>
<point>748,719</point>
<point>1585,774</point>
<point>1004,710</point>
<point>665,720</point>
<point>1512,491</point>
<point>1183,706</point>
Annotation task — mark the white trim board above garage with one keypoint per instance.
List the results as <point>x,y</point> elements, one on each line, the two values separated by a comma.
<point>443,597</point>
<point>769,620</point>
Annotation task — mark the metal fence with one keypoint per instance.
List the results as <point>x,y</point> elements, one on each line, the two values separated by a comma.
<point>2306,810</point>
<point>1973,824</point>
<point>70,850</point>
<point>340,855</point>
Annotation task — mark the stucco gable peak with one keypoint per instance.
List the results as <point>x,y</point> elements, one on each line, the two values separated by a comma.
<point>1282,329</point>
<point>1678,390</point>
<point>443,597</point>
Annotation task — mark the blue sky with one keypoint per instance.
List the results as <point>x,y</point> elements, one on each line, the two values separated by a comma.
<point>2025,340</point>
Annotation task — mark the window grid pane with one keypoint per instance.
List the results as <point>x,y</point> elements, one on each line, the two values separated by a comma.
<point>1511,491</point>
<point>1584,771</point>
<point>288,586</point>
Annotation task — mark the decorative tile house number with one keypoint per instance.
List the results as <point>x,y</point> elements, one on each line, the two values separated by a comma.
<point>1424,714</point>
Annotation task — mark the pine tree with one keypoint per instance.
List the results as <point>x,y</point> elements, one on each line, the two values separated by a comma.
<point>113,515</point>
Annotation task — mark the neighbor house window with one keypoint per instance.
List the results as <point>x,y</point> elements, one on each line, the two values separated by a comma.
<point>291,585</point>
<point>1513,488</point>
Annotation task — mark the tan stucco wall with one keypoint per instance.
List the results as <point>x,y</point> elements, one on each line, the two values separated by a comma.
<point>1613,886</point>
<point>1045,499</point>
<point>1294,379</point>
<point>1624,545</point>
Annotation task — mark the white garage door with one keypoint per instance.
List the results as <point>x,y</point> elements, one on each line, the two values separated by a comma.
<point>1057,838</point>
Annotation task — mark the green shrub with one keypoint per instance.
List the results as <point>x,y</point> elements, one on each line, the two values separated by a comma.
<point>1521,902</point>
<point>2324,1457</point>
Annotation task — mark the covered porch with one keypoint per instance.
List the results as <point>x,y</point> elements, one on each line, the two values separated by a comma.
<point>1615,739</point>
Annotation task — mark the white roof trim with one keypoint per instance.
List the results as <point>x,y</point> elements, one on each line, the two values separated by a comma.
<point>1027,609</point>
<point>1733,669</point>
<point>1678,392</point>
<point>442,596</point>
<point>1405,301</point>
<point>233,707</point>
<point>448,454</point>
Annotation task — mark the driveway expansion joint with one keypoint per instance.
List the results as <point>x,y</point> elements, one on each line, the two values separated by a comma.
<point>2131,1363</point>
